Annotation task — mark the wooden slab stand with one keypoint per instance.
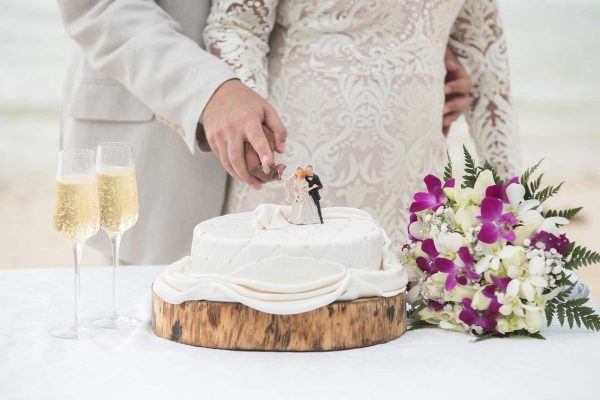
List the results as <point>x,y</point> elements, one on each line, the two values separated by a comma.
<point>234,326</point>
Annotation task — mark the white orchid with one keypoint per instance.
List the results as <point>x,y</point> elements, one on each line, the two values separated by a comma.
<point>515,193</point>
<point>466,196</point>
<point>534,318</point>
<point>491,258</point>
<point>466,217</point>
<point>528,276</point>
<point>551,224</point>
<point>448,243</point>
<point>510,324</point>
<point>446,318</point>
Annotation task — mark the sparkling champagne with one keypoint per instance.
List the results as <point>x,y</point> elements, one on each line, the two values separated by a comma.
<point>118,199</point>
<point>76,215</point>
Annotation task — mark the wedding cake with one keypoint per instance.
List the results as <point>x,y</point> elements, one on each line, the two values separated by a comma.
<point>261,260</point>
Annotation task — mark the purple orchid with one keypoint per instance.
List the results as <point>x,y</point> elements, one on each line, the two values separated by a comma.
<point>433,263</point>
<point>495,224</point>
<point>551,241</point>
<point>434,197</point>
<point>456,274</point>
<point>413,218</point>
<point>448,266</point>
<point>434,305</point>
<point>498,191</point>
<point>467,259</point>
<point>471,317</point>
<point>490,292</point>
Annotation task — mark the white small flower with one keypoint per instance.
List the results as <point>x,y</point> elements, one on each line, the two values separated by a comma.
<point>551,224</point>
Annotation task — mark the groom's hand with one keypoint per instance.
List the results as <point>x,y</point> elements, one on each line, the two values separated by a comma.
<point>457,90</point>
<point>265,173</point>
<point>235,114</point>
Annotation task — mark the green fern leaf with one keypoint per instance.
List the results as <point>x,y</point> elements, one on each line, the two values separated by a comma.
<point>529,171</point>
<point>567,213</point>
<point>574,311</point>
<point>470,169</point>
<point>580,257</point>
<point>484,336</point>
<point>547,192</point>
<point>488,166</point>
<point>419,324</point>
<point>448,168</point>
<point>524,180</point>
<point>560,313</point>
<point>535,185</point>
<point>550,311</point>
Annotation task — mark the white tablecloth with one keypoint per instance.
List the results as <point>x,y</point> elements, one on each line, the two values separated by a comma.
<point>426,364</point>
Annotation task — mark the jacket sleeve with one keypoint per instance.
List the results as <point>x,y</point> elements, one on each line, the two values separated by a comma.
<point>318,182</point>
<point>139,45</point>
<point>477,39</point>
<point>238,33</point>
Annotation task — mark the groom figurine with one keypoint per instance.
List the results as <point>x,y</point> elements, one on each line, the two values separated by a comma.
<point>314,181</point>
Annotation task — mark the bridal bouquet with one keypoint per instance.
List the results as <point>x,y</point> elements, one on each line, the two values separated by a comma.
<point>488,259</point>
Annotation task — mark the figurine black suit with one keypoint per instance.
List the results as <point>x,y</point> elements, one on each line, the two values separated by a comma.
<point>313,179</point>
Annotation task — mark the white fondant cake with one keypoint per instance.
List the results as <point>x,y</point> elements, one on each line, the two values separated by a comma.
<point>261,260</point>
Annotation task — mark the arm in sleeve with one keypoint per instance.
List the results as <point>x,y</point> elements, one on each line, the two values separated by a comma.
<point>318,182</point>
<point>238,33</point>
<point>138,44</point>
<point>478,40</point>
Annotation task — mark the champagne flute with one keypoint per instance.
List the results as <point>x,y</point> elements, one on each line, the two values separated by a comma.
<point>117,193</point>
<point>76,215</point>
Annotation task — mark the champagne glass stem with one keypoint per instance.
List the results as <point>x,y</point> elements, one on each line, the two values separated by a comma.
<point>77,248</point>
<point>116,244</point>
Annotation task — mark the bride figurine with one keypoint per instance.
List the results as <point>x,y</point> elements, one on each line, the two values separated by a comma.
<point>304,211</point>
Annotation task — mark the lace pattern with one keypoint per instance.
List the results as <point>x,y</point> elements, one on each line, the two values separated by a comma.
<point>359,85</point>
<point>477,39</point>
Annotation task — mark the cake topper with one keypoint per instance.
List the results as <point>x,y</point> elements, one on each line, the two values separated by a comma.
<point>305,207</point>
<point>314,183</point>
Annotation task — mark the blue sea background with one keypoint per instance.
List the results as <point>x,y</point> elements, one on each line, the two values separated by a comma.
<point>554,49</point>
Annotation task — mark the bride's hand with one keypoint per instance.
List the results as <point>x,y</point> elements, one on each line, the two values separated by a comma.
<point>457,90</point>
<point>235,114</point>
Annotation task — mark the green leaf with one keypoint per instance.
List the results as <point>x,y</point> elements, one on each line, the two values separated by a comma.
<point>485,336</point>
<point>535,185</point>
<point>448,168</point>
<point>547,192</point>
<point>488,166</point>
<point>567,213</point>
<point>552,304</point>
<point>574,311</point>
<point>470,169</point>
<point>525,333</point>
<point>580,257</point>
<point>529,171</point>
<point>536,335</point>
<point>419,324</point>
<point>525,179</point>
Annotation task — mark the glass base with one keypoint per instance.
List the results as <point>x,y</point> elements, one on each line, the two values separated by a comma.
<point>116,322</point>
<point>71,333</point>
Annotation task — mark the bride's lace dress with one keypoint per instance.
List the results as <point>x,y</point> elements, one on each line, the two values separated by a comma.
<point>303,211</point>
<point>359,86</point>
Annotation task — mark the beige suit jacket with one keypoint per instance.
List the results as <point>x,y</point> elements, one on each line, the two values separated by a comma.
<point>139,74</point>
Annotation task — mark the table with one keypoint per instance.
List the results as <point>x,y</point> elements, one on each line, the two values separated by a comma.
<point>425,364</point>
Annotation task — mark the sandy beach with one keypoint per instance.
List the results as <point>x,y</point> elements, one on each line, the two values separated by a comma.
<point>554,53</point>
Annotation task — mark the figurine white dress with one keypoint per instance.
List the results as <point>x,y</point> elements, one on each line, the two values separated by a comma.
<point>359,85</point>
<point>304,211</point>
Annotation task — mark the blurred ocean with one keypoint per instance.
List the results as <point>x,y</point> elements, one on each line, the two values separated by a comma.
<point>554,49</point>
